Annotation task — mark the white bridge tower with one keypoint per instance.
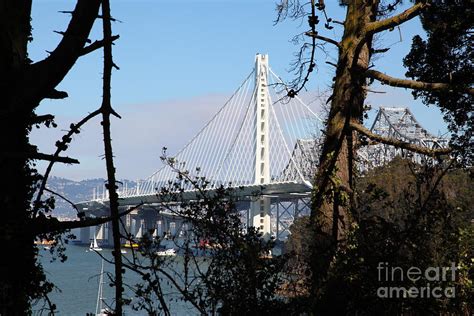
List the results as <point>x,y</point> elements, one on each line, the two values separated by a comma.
<point>260,206</point>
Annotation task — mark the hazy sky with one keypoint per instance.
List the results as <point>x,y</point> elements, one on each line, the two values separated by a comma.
<point>179,61</point>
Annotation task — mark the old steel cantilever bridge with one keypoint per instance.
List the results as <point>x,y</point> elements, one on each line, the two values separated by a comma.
<point>259,141</point>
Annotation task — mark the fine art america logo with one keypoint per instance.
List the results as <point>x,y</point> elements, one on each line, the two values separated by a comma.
<point>431,278</point>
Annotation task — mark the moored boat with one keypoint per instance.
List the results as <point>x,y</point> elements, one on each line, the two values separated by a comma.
<point>94,245</point>
<point>166,253</point>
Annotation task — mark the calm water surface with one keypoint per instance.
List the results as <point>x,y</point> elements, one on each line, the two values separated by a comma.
<point>77,280</point>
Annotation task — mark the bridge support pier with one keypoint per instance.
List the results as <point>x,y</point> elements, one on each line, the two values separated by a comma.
<point>85,236</point>
<point>260,207</point>
<point>260,215</point>
<point>159,228</point>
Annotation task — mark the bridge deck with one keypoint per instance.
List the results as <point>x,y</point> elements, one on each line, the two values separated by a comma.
<point>283,190</point>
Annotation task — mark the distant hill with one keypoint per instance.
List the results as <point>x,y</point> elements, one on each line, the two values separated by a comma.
<point>76,191</point>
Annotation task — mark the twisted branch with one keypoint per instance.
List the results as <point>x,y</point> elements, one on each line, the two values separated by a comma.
<point>399,143</point>
<point>96,45</point>
<point>388,23</point>
<point>46,74</point>
<point>412,84</point>
<point>61,146</point>
<point>323,38</point>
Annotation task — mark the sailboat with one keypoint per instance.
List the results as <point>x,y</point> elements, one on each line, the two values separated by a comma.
<point>99,310</point>
<point>94,246</point>
<point>139,234</point>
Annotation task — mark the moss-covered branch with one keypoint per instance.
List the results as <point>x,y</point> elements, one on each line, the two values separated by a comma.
<point>412,84</point>
<point>399,143</point>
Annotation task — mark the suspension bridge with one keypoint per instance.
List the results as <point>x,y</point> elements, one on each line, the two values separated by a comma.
<point>258,141</point>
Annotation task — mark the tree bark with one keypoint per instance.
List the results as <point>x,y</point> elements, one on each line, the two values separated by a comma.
<point>330,215</point>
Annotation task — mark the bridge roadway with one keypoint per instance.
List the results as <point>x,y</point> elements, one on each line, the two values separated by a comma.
<point>282,190</point>
<point>152,215</point>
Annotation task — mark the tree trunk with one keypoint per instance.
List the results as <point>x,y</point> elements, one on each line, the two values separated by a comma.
<point>331,216</point>
<point>22,86</point>
<point>17,267</point>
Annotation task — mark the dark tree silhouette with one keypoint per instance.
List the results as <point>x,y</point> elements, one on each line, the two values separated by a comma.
<point>23,85</point>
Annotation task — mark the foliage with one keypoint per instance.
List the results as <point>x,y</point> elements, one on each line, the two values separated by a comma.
<point>404,220</point>
<point>227,268</point>
<point>446,56</point>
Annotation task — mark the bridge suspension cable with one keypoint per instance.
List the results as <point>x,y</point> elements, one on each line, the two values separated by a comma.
<point>223,151</point>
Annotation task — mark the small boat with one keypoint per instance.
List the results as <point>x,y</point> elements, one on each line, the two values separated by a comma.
<point>94,245</point>
<point>123,251</point>
<point>129,244</point>
<point>267,255</point>
<point>206,244</point>
<point>167,253</point>
<point>45,242</point>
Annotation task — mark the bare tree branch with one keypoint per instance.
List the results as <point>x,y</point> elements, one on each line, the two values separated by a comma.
<point>398,143</point>
<point>40,156</point>
<point>107,110</point>
<point>62,197</point>
<point>61,145</point>
<point>43,225</point>
<point>312,20</point>
<point>412,84</point>
<point>373,91</point>
<point>323,38</point>
<point>46,74</point>
<point>53,158</point>
<point>96,45</point>
<point>380,51</point>
<point>55,94</point>
<point>388,23</point>
<point>42,118</point>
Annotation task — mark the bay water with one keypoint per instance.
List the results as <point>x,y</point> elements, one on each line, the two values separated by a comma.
<point>77,282</point>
